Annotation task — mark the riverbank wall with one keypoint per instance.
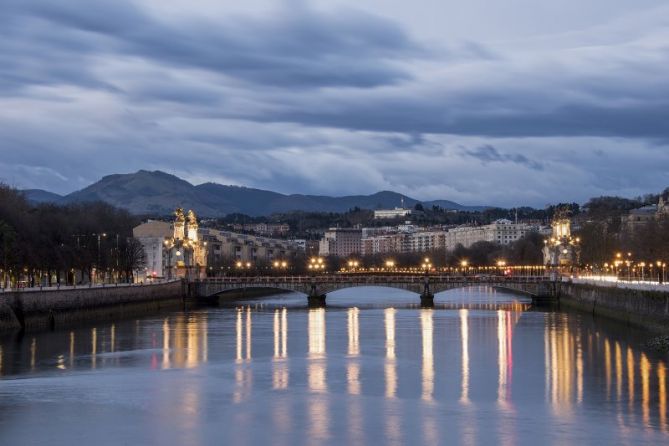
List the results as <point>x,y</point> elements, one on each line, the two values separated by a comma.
<point>48,309</point>
<point>643,308</point>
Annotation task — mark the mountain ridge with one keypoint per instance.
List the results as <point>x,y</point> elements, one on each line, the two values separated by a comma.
<point>158,193</point>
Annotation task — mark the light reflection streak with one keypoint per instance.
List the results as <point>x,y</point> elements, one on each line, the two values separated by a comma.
<point>427,329</point>
<point>579,368</point>
<point>94,347</point>
<point>390,365</point>
<point>71,349</point>
<point>248,334</point>
<point>166,344</point>
<point>353,332</point>
<point>318,409</point>
<point>113,338</point>
<point>607,367</point>
<point>243,373</point>
<point>193,351</point>
<point>502,357</point>
<point>239,330</point>
<point>644,365</point>
<point>280,375</point>
<point>630,376</point>
<point>562,351</point>
<point>33,352</point>
<point>316,368</point>
<point>284,332</point>
<point>464,335</point>
<point>619,372</point>
<point>662,399</point>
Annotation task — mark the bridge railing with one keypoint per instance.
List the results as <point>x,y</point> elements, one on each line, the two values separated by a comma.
<point>372,279</point>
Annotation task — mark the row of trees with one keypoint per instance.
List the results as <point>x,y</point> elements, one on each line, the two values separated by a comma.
<point>603,231</point>
<point>74,243</point>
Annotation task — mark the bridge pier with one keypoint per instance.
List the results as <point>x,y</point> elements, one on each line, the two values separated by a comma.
<point>427,300</point>
<point>316,300</point>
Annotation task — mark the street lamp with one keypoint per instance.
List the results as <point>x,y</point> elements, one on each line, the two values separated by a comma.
<point>390,264</point>
<point>316,263</point>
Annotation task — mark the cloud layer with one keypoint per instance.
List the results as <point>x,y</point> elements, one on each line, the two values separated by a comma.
<point>337,100</point>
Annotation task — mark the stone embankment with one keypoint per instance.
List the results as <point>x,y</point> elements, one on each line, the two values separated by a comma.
<point>48,308</point>
<point>647,308</point>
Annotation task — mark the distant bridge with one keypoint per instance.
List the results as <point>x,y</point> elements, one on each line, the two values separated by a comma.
<point>317,287</point>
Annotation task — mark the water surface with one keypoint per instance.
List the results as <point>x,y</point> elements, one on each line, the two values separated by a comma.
<point>483,367</point>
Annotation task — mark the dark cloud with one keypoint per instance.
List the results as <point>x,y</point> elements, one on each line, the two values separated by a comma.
<point>298,49</point>
<point>489,154</point>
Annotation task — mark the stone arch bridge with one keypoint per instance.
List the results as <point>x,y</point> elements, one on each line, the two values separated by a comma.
<point>539,288</point>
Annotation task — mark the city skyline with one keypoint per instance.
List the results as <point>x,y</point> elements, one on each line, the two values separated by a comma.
<point>525,104</point>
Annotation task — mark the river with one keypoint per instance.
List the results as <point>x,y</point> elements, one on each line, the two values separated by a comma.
<point>483,367</point>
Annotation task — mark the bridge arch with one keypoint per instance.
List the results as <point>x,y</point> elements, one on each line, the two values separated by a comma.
<point>316,288</point>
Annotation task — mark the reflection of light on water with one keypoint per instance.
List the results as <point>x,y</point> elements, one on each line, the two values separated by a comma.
<point>248,334</point>
<point>243,375</point>
<point>645,389</point>
<point>390,366</point>
<point>316,369</point>
<point>619,372</point>
<point>166,344</point>
<point>316,330</point>
<point>562,360</point>
<point>353,332</point>
<point>318,406</point>
<point>239,328</point>
<point>284,333</point>
<point>464,335</point>
<point>607,367</point>
<point>319,417</point>
<point>60,362</point>
<point>280,376</point>
<point>579,369</point>
<point>630,376</point>
<point>193,351</point>
<point>353,367</point>
<point>94,347</point>
<point>502,356</point>
<point>186,345</point>
<point>113,338</point>
<point>280,334</point>
<point>353,377</point>
<point>71,349</point>
<point>426,324</point>
<point>280,368</point>
<point>33,352</point>
<point>662,400</point>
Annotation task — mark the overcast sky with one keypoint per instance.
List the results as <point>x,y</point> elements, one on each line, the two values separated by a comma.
<point>514,102</point>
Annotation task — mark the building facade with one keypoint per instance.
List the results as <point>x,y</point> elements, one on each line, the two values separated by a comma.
<point>502,232</point>
<point>225,247</point>
<point>341,242</point>
<point>392,213</point>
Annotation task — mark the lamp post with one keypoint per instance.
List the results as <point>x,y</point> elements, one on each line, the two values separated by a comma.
<point>464,264</point>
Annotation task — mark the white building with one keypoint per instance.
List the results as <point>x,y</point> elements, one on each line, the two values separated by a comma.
<point>501,232</point>
<point>152,236</point>
<point>392,213</point>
